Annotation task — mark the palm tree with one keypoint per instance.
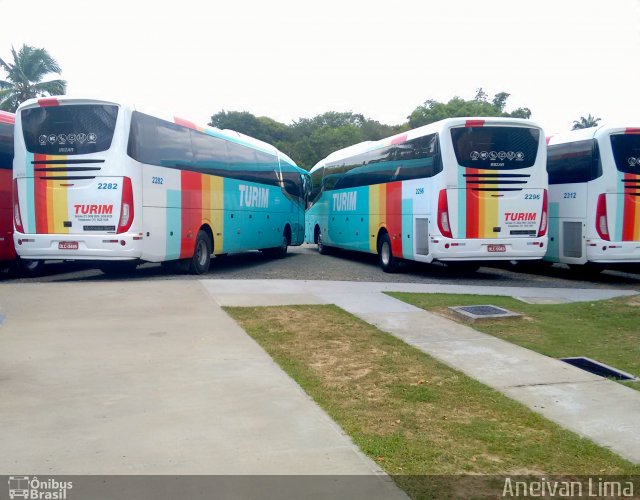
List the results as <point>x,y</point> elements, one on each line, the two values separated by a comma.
<point>587,122</point>
<point>25,75</point>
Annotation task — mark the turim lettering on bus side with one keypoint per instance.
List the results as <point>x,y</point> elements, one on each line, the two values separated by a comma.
<point>344,201</point>
<point>252,196</point>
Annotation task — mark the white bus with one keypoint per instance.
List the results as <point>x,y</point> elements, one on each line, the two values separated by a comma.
<point>96,180</point>
<point>594,197</point>
<point>462,191</point>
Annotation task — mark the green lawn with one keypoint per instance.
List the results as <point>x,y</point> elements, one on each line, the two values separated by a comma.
<point>607,331</point>
<point>410,413</point>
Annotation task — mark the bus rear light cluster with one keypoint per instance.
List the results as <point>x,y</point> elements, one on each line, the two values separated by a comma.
<point>601,218</point>
<point>126,206</point>
<point>17,218</point>
<point>443,215</point>
<point>544,219</point>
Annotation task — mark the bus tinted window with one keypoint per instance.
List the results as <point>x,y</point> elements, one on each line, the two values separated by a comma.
<point>6,146</point>
<point>626,152</point>
<point>418,158</point>
<point>292,182</point>
<point>158,142</point>
<point>316,184</point>
<point>573,162</point>
<point>72,129</point>
<point>495,148</point>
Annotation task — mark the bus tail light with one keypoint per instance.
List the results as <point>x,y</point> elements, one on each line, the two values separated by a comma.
<point>443,215</point>
<point>126,206</point>
<point>17,218</point>
<point>544,219</point>
<point>601,218</point>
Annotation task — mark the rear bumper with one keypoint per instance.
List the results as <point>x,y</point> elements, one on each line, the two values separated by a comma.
<point>446,249</point>
<point>90,247</point>
<point>611,252</point>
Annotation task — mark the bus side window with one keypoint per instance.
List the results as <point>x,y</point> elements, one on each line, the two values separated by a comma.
<point>574,162</point>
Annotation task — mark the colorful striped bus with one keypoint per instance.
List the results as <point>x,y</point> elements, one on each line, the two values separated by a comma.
<point>594,197</point>
<point>461,191</point>
<point>97,180</point>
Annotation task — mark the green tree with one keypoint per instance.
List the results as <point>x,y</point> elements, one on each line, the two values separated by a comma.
<point>588,122</point>
<point>433,111</point>
<point>25,77</point>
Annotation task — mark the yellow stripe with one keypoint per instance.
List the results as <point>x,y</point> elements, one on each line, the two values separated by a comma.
<point>216,202</point>
<point>374,216</point>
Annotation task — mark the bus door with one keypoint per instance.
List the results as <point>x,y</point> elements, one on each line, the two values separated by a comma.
<point>68,182</point>
<point>499,194</point>
<point>622,210</point>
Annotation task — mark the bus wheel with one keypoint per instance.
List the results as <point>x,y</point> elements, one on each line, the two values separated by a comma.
<point>118,267</point>
<point>30,267</point>
<point>322,248</point>
<point>201,259</point>
<point>388,262</point>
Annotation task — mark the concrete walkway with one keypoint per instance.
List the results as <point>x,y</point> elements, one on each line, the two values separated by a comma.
<point>604,411</point>
<point>153,378</point>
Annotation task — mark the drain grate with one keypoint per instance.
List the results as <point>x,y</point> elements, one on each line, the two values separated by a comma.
<point>483,312</point>
<point>597,368</point>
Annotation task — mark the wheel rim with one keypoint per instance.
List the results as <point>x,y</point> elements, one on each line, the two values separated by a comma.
<point>31,264</point>
<point>385,253</point>
<point>201,253</point>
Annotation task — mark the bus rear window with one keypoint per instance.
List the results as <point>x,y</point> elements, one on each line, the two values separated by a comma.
<point>495,148</point>
<point>626,152</point>
<point>74,129</point>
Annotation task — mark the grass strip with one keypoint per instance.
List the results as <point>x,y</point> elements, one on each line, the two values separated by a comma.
<point>607,331</point>
<point>410,413</point>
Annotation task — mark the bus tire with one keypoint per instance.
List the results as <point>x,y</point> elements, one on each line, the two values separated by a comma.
<point>30,267</point>
<point>388,262</point>
<point>118,267</point>
<point>199,263</point>
<point>322,248</point>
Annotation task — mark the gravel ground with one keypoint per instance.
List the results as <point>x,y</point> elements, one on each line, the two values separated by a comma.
<point>305,263</point>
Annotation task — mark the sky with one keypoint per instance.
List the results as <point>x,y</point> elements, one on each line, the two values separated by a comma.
<point>289,59</point>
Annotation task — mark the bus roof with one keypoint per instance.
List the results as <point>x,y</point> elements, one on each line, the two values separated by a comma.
<point>228,134</point>
<point>584,134</point>
<point>431,128</point>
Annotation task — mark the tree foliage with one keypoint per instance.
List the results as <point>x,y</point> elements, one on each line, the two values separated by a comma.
<point>24,77</point>
<point>433,111</point>
<point>308,140</point>
<point>588,122</point>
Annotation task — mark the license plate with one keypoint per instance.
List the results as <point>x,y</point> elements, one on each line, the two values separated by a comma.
<point>497,248</point>
<point>68,245</point>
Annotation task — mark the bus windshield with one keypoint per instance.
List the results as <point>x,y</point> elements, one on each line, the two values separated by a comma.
<point>626,152</point>
<point>495,148</point>
<point>73,129</point>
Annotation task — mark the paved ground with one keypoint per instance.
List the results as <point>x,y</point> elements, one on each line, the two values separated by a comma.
<point>151,378</point>
<point>305,263</point>
<point>602,410</point>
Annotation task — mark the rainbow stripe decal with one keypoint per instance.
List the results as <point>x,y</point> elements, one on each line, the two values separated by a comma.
<point>478,212</point>
<point>627,227</point>
<point>385,207</point>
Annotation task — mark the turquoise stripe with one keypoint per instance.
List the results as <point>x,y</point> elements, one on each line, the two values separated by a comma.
<point>553,250</point>
<point>174,223</point>
<point>462,204</point>
<point>30,218</point>
<point>407,228</point>
<point>619,208</point>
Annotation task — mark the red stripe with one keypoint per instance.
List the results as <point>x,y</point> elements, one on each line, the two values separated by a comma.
<point>394,217</point>
<point>7,117</point>
<point>632,131</point>
<point>629,213</point>
<point>474,123</point>
<point>191,212</point>
<point>473,208</point>
<point>48,101</point>
<point>185,123</point>
<point>7,250</point>
<point>399,140</point>
<point>40,200</point>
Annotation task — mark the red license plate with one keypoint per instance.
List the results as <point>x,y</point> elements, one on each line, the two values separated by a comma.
<point>68,245</point>
<point>497,248</point>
